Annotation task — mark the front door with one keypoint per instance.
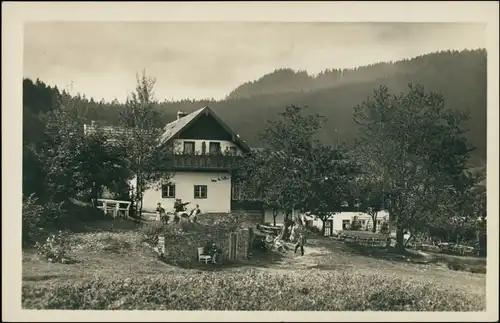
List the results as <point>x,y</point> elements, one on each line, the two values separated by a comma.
<point>328,228</point>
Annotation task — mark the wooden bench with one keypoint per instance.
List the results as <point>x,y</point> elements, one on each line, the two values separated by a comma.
<point>114,207</point>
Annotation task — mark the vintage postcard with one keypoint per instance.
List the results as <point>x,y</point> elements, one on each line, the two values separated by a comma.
<point>319,161</point>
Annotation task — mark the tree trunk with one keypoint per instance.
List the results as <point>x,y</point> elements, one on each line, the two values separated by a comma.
<point>400,238</point>
<point>374,223</point>
<point>285,225</point>
<point>138,195</point>
<point>323,220</point>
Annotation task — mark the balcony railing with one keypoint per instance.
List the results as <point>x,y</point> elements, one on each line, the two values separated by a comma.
<point>202,162</point>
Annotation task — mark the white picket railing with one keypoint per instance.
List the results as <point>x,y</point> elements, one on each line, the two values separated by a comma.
<point>114,207</point>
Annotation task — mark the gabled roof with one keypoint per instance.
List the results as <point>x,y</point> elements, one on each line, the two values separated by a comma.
<point>175,127</point>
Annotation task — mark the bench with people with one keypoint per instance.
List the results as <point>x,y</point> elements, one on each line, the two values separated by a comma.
<point>179,212</point>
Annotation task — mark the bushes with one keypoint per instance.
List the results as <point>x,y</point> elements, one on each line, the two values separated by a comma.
<point>251,290</point>
<point>355,224</point>
<point>37,217</point>
<point>55,248</point>
<point>384,228</point>
<point>112,242</point>
<point>151,231</point>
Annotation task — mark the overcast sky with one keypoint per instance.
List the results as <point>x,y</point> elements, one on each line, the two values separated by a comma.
<point>203,60</point>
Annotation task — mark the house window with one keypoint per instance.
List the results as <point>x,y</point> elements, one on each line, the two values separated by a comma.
<point>200,191</point>
<point>168,191</point>
<point>188,147</point>
<point>346,224</point>
<point>203,148</point>
<point>233,151</point>
<point>214,147</point>
<point>363,222</point>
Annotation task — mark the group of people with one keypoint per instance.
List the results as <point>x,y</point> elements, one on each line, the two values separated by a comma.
<point>179,207</point>
<point>296,235</point>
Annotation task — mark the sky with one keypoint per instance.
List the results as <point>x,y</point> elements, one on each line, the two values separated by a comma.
<point>209,59</point>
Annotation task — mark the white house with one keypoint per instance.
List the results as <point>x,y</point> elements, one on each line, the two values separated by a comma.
<point>337,222</point>
<point>280,218</point>
<point>205,150</point>
<point>343,220</point>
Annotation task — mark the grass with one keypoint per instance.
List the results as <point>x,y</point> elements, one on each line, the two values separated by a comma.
<point>114,270</point>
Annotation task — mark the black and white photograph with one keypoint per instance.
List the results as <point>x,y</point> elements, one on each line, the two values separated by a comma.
<point>255,165</point>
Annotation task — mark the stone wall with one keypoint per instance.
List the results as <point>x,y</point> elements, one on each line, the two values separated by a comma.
<point>181,242</point>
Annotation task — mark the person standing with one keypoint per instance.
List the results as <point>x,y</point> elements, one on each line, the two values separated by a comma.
<point>300,243</point>
<point>160,211</point>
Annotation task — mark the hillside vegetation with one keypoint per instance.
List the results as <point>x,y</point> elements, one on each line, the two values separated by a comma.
<point>459,75</point>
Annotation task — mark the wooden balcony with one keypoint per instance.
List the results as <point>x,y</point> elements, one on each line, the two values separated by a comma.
<point>202,162</point>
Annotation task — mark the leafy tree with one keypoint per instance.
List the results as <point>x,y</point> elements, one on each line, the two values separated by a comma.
<point>368,190</point>
<point>38,101</point>
<point>295,171</point>
<point>140,139</point>
<point>416,147</point>
<point>77,165</point>
<point>327,177</point>
<point>279,170</point>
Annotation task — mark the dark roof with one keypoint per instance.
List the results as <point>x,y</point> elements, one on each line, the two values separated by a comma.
<point>175,127</point>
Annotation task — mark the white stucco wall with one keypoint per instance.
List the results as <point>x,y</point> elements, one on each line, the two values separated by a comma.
<point>218,192</point>
<point>365,218</point>
<point>280,218</point>
<point>179,145</point>
<point>338,218</point>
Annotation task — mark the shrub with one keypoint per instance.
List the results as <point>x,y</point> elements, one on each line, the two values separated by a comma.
<point>55,248</point>
<point>81,212</point>
<point>355,224</point>
<point>32,216</point>
<point>384,228</point>
<point>312,230</point>
<point>251,290</point>
<point>151,231</point>
<point>113,242</point>
<point>38,217</point>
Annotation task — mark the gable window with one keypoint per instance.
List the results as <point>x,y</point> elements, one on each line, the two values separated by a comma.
<point>188,147</point>
<point>214,148</point>
<point>200,191</point>
<point>168,191</point>
<point>233,151</point>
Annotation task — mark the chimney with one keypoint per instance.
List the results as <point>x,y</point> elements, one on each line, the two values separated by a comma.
<point>181,114</point>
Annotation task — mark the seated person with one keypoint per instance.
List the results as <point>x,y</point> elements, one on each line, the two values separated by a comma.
<point>196,210</point>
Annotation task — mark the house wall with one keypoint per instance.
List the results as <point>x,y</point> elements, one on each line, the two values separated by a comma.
<point>365,218</point>
<point>338,219</point>
<point>280,218</point>
<point>218,192</point>
<point>179,145</point>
